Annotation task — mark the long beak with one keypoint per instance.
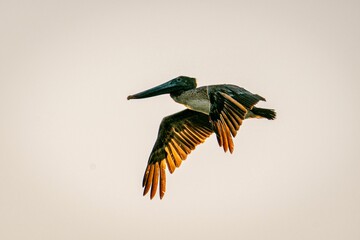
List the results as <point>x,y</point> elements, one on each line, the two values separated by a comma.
<point>164,88</point>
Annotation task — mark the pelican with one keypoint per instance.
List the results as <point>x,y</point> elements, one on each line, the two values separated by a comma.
<point>214,108</point>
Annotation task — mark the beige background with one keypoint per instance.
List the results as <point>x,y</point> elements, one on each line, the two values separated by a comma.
<point>73,149</point>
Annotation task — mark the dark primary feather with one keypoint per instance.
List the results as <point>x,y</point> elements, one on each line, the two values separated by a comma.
<point>241,95</point>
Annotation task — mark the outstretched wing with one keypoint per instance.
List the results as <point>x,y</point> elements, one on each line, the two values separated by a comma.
<point>178,135</point>
<point>229,107</point>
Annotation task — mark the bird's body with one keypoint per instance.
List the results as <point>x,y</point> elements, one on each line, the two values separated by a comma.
<point>215,108</point>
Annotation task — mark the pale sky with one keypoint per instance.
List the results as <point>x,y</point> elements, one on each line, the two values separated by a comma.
<point>74,150</point>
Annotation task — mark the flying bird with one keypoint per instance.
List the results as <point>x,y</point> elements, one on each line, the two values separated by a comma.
<point>214,108</point>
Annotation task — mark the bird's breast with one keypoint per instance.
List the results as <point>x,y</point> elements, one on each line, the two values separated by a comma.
<point>195,99</point>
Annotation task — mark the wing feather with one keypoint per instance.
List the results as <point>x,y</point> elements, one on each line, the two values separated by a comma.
<point>154,184</point>
<point>162,178</point>
<point>169,161</point>
<point>179,150</point>
<point>149,178</point>
<point>175,155</point>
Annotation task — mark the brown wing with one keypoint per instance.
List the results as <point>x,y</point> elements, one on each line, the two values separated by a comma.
<point>178,135</point>
<point>226,115</point>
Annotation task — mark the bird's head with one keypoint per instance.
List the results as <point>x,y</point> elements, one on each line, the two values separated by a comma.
<point>176,85</point>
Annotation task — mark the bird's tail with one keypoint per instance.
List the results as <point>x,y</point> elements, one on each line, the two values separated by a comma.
<point>265,113</point>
